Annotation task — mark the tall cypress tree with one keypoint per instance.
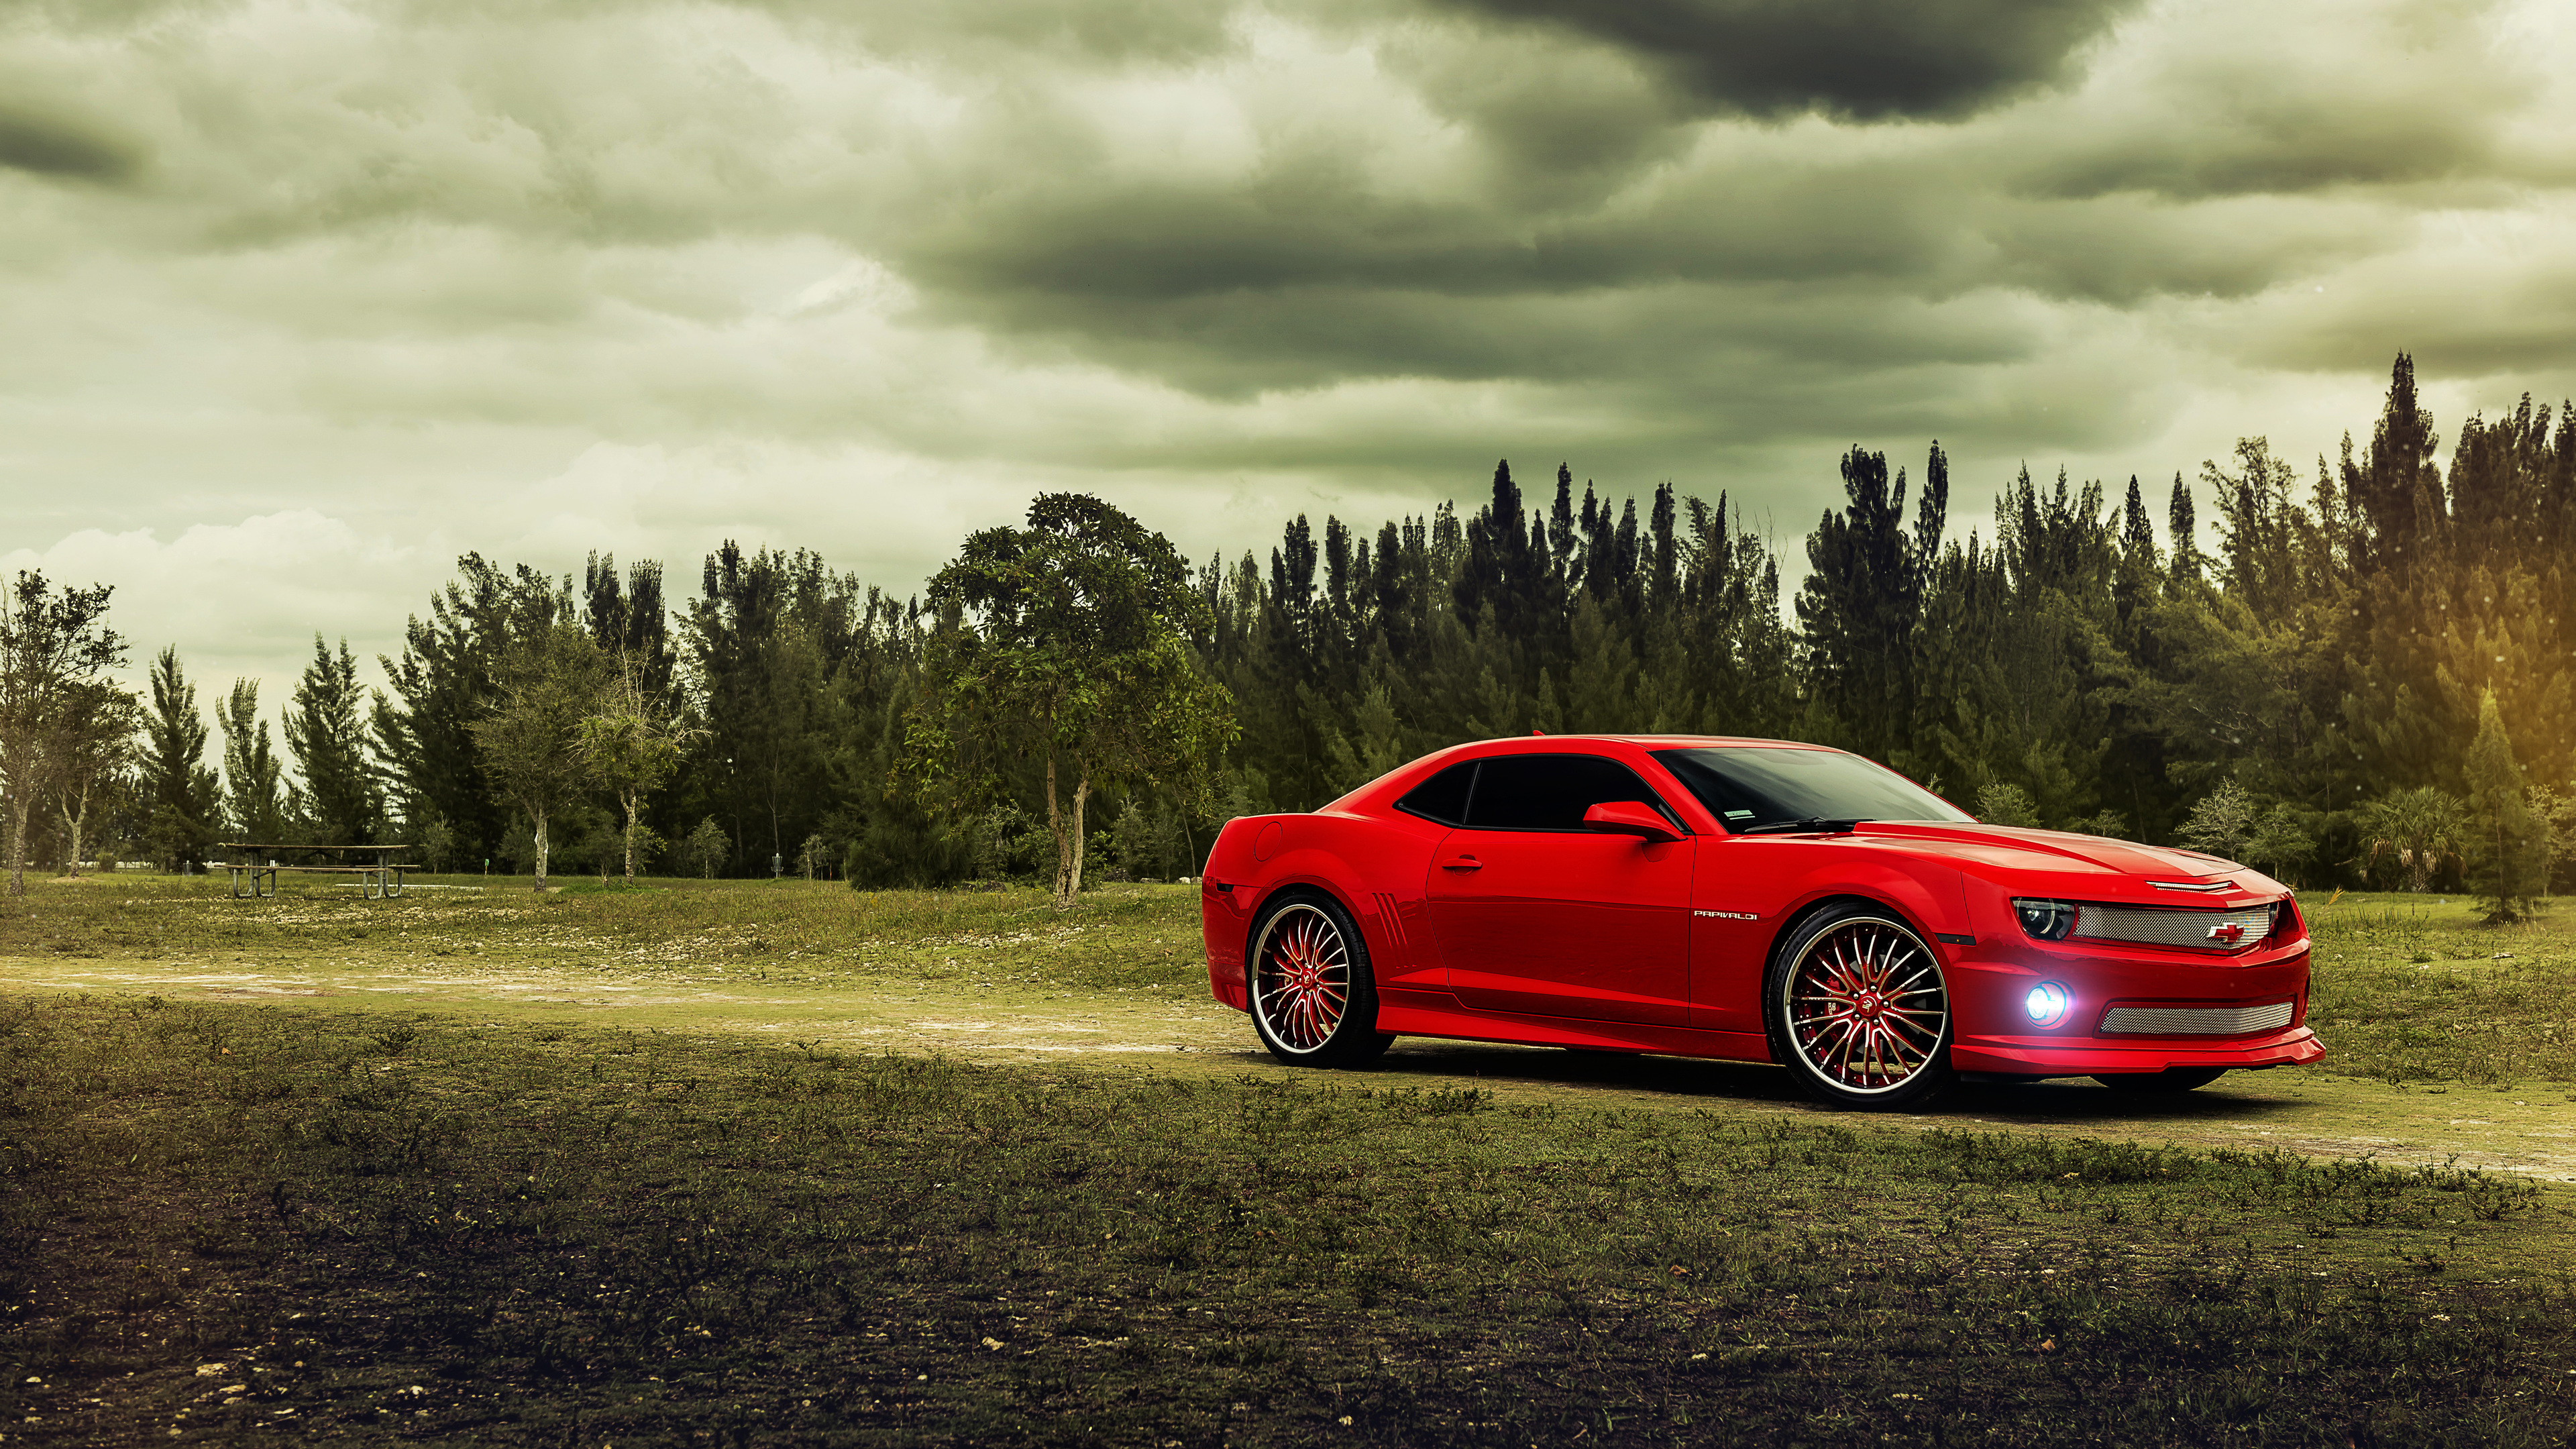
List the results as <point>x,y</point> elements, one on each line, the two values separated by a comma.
<point>2508,844</point>
<point>254,801</point>
<point>185,799</point>
<point>340,800</point>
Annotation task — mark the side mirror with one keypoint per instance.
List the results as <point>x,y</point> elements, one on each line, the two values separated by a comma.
<point>1630,817</point>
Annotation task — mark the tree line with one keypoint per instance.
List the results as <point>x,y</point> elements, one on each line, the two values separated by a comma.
<point>2361,677</point>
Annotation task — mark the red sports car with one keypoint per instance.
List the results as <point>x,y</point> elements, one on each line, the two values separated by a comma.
<point>1754,900</point>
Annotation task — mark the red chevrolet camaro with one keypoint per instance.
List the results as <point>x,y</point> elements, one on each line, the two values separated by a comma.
<point>1753,900</point>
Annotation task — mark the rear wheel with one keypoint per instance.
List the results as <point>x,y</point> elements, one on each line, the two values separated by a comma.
<point>1858,1010</point>
<point>1314,1001</point>
<point>2171,1079</point>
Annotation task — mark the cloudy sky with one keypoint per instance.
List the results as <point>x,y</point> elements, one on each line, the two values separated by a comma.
<point>302,298</point>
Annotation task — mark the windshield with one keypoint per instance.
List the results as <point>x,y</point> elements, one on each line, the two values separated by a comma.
<point>1748,787</point>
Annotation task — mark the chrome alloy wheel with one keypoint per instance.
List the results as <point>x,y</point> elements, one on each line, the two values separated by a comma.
<point>1301,978</point>
<point>1865,1007</point>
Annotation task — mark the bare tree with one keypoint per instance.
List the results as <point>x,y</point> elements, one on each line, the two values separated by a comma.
<point>54,647</point>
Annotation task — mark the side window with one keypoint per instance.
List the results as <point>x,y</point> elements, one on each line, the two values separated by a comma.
<point>1551,792</point>
<point>1443,797</point>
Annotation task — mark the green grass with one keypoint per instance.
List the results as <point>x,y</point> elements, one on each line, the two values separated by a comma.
<point>2412,989</point>
<point>789,931</point>
<point>403,1224</point>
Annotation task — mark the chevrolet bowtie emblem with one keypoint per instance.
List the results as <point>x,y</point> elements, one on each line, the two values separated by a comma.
<point>2227,933</point>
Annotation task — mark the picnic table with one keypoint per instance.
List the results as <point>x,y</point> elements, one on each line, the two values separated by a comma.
<point>379,878</point>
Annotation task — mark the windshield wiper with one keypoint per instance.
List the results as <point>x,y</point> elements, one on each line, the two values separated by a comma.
<point>1790,827</point>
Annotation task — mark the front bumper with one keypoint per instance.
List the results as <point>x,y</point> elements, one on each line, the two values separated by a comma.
<point>1991,982</point>
<point>2028,1057</point>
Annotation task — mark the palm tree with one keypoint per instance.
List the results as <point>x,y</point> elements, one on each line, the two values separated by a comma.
<point>2416,831</point>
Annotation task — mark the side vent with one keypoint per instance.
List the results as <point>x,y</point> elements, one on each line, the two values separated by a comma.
<point>1397,946</point>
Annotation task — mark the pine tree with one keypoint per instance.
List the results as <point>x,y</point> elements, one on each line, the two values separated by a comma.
<point>340,800</point>
<point>1859,608</point>
<point>2509,847</point>
<point>2182,532</point>
<point>185,798</point>
<point>254,797</point>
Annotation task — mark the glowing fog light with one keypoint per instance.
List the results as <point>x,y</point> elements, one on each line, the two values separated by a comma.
<point>2047,1004</point>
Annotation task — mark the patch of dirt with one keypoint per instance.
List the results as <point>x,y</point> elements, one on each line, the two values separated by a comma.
<point>2526,1129</point>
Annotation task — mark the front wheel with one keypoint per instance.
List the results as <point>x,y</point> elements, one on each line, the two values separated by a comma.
<point>1858,1011</point>
<point>2171,1079</point>
<point>1314,1001</point>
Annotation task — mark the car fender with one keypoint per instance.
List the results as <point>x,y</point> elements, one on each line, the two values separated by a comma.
<point>1928,895</point>
<point>1373,869</point>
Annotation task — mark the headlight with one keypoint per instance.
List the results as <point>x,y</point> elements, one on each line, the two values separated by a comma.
<point>2046,920</point>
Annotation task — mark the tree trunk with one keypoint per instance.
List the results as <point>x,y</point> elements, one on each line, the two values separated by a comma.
<point>541,850</point>
<point>18,844</point>
<point>629,803</point>
<point>1081,795</point>
<point>73,823</point>
<point>1055,827</point>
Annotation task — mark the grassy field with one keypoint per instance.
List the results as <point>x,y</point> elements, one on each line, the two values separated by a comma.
<point>350,1216</point>
<point>2408,989</point>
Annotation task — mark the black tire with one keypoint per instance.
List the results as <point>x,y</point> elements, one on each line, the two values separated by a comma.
<point>1308,983</point>
<point>2171,1079</point>
<point>1858,1010</point>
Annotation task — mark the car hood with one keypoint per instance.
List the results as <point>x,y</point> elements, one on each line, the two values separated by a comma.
<point>2060,861</point>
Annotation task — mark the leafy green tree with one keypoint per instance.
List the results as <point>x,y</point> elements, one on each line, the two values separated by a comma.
<point>2509,846</point>
<point>2223,821</point>
<point>707,847</point>
<point>437,842</point>
<point>2109,823</point>
<point>1067,644</point>
<point>185,799</point>
<point>2280,842</point>
<point>55,647</point>
<point>340,801</point>
<point>2000,803</point>
<point>254,781</point>
<point>97,745</point>
<point>531,742</point>
<point>631,745</point>
<point>443,683</point>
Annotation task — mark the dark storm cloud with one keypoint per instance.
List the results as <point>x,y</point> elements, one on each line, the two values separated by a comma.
<point>2425,93</point>
<point>63,144</point>
<point>1686,337</point>
<point>1867,59</point>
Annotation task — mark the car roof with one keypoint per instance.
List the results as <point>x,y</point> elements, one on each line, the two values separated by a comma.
<point>1649,741</point>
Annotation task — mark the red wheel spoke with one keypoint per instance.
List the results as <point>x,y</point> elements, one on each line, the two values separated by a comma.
<point>1866,1007</point>
<point>1301,979</point>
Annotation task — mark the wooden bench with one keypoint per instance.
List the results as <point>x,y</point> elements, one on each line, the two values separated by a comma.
<point>252,880</point>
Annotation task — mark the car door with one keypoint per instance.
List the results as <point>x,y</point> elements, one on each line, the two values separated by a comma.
<point>1736,901</point>
<point>1534,913</point>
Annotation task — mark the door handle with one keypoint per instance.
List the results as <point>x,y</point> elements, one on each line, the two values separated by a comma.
<point>1462,862</point>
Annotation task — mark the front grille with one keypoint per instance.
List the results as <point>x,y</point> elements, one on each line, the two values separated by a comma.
<point>2195,1020</point>
<point>2185,930</point>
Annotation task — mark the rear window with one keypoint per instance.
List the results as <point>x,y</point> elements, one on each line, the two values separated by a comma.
<point>1443,797</point>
